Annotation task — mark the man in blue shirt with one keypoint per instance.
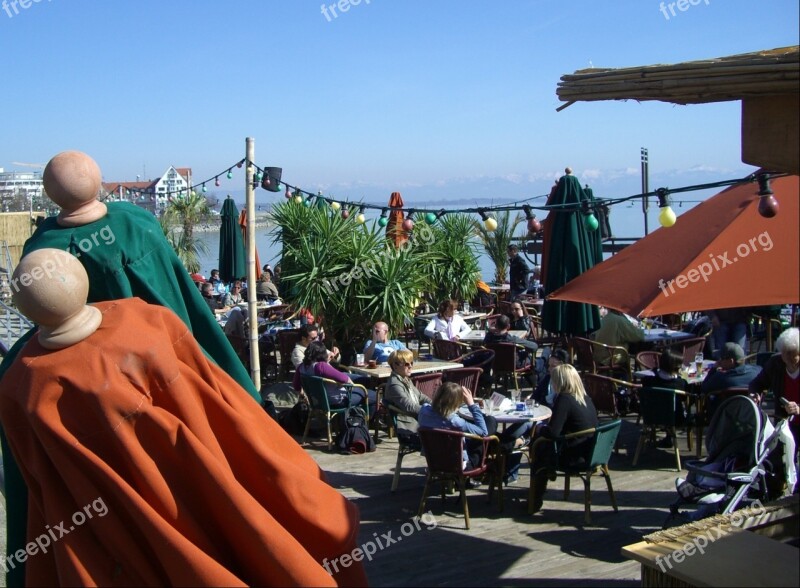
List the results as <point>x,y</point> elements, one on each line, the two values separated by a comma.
<point>380,347</point>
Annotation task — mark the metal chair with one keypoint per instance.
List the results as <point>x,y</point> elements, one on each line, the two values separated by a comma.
<point>505,363</point>
<point>443,449</point>
<point>604,437</point>
<point>606,394</point>
<point>657,407</point>
<point>599,358</point>
<point>428,384</point>
<point>318,403</point>
<point>448,350</point>
<point>648,360</point>
<point>688,348</point>
<point>407,442</point>
<point>483,359</point>
<point>469,377</point>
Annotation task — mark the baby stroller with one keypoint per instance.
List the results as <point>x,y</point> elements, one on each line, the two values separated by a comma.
<point>739,439</point>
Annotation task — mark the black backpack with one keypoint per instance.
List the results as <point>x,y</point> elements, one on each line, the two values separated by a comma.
<point>353,436</point>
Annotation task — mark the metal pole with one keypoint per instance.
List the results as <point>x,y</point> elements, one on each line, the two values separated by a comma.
<point>252,303</point>
<point>645,186</point>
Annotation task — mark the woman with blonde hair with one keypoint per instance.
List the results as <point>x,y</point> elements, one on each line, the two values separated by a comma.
<point>573,411</point>
<point>402,393</point>
<point>443,414</point>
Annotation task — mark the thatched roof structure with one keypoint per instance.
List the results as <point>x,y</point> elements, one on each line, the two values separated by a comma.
<point>736,77</point>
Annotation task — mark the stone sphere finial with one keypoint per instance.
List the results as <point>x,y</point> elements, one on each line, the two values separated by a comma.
<point>72,180</point>
<point>568,171</point>
<point>50,287</point>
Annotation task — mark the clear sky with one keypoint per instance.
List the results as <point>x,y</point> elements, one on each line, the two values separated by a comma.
<point>451,99</point>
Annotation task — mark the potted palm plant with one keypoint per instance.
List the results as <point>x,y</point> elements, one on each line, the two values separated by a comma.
<point>495,243</point>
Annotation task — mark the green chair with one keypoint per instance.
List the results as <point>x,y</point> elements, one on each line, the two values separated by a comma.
<point>317,395</point>
<point>407,442</point>
<point>602,444</point>
<point>657,409</point>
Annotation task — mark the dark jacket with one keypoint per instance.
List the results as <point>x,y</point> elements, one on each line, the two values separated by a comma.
<point>570,417</point>
<point>518,273</point>
<point>771,378</point>
<point>739,377</point>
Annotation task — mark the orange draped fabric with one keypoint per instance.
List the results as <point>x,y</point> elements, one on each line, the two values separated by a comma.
<point>199,485</point>
<point>394,228</point>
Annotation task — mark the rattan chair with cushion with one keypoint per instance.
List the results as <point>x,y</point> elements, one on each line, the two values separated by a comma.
<point>443,449</point>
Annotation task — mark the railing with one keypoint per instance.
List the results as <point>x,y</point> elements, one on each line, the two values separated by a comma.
<point>12,326</point>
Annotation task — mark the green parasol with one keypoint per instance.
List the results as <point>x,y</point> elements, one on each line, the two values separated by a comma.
<point>232,256</point>
<point>571,249</point>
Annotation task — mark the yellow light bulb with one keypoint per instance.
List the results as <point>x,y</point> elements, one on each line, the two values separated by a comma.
<point>360,218</point>
<point>490,224</point>
<point>666,217</point>
<point>335,205</point>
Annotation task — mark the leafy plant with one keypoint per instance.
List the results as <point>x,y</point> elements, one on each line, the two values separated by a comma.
<point>187,247</point>
<point>495,243</point>
<point>345,272</point>
<point>452,269</point>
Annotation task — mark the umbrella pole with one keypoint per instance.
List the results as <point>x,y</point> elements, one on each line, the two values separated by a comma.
<point>252,310</point>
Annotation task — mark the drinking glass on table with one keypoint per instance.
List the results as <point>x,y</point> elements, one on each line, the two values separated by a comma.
<point>414,347</point>
<point>698,362</point>
<point>488,405</point>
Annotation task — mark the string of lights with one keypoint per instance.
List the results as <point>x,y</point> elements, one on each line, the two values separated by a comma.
<point>269,178</point>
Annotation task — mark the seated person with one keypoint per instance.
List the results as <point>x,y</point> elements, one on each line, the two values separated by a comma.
<point>401,393</point>
<point>521,320</point>
<point>535,288</point>
<point>214,278</point>
<point>308,333</point>
<point>573,411</point>
<point>266,289</point>
<point>443,414</point>
<point>668,376</point>
<point>210,297</point>
<point>315,363</point>
<point>781,374</point>
<point>447,324</point>
<point>617,330</point>
<point>380,347</point>
<point>543,394</point>
<point>499,334</point>
<point>236,324</point>
<point>729,372</point>
<point>233,297</point>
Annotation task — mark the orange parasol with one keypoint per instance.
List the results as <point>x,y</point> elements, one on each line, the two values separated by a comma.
<point>394,228</point>
<point>243,225</point>
<point>720,254</point>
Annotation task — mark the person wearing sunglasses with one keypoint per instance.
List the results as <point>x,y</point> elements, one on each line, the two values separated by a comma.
<point>402,393</point>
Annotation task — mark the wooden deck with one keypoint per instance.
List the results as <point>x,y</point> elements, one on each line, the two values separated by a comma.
<point>512,548</point>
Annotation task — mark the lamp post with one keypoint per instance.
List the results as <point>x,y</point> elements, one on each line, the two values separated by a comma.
<point>645,186</point>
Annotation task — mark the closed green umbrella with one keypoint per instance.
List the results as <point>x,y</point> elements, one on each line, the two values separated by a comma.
<point>232,255</point>
<point>570,249</point>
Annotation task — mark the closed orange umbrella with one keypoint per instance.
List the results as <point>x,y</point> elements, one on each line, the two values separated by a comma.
<point>720,254</point>
<point>394,228</point>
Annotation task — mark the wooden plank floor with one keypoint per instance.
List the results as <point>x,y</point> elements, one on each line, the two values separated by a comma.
<point>512,548</point>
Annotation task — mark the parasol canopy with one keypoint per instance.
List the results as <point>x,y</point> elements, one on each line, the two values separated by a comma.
<point>232,257</point>
<point>569,250</point>
<point>394,228</point>
<point>720,254</point>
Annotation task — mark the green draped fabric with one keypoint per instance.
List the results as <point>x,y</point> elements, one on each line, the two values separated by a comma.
<point>125,255</point>
<point>571,250</point>
<point>232,255</point>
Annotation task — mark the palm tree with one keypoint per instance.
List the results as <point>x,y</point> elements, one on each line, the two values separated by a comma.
<point>178,221</point>
<point>495,243</point>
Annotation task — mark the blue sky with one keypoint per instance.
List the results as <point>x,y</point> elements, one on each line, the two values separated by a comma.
<point>439,99</point>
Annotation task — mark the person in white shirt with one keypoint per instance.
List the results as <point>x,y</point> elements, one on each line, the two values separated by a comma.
<point>447,324</point>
